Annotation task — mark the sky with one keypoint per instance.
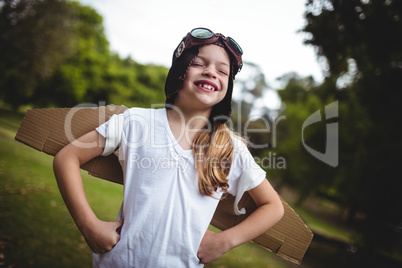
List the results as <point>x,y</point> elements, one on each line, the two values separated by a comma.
<point>267,31</point>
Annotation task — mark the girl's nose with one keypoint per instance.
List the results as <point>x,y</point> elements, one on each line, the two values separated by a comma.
<point>209,72</point>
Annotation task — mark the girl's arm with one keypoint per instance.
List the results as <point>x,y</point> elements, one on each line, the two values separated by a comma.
<point>269,211</point>
<point>100,236</point>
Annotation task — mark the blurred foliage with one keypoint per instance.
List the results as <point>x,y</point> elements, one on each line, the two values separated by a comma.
<point>246,116</point>
<point>360,42</point>
<point>304,171</point>
<point>54,53</point>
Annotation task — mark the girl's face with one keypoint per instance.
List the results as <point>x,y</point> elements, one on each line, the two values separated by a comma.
<point>206,81</point>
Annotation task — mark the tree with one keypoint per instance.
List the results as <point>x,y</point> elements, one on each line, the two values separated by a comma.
<point>304,173</point>
<point>366,34</point>
<point>54,53</point>
<point>81,76</point>
<point>35,36</point>
<point>248,111</point>
<point>134,84</point>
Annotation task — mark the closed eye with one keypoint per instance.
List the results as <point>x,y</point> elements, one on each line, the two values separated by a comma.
<point>196,64</point>
<point>223,72</point>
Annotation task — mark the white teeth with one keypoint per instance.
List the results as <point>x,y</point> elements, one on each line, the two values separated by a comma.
<point>207,86</point>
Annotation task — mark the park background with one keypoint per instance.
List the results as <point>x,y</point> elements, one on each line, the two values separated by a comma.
<point>56,54</point>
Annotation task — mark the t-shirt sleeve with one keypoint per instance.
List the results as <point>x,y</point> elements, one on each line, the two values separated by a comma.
<point>245,174</point>
<point>112,131</point>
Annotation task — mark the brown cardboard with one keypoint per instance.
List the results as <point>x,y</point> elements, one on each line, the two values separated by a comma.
<point>49,130</point>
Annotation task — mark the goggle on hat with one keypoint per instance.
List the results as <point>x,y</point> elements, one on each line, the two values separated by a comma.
<point>204,36</point>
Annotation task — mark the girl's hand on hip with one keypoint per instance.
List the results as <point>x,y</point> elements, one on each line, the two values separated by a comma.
<point>212,246</point>
<point>102,236</point>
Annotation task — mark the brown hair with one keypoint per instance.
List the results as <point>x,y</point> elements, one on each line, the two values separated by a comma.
<point>213,154</point>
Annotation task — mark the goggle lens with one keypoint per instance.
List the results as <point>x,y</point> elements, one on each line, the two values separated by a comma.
<point>202,33</point>
<point>235,45</point>
<point>205,35</point>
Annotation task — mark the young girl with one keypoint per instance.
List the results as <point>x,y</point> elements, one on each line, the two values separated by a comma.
<point>177,162</point>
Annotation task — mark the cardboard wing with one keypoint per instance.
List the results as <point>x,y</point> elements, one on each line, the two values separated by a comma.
<point>49,130</point>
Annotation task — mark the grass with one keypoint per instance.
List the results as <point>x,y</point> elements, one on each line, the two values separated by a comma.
<point>323,217</point>
<point>36,230</point>
<point>327,227</point>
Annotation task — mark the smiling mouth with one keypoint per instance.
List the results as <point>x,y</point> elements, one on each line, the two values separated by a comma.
<point>207,86</point>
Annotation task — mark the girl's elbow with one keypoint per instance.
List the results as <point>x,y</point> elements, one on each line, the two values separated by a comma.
<point>57,164</point>
<point>61,162</point>
<point>280,210</point>
<point>59,158</point>
<point>56,161</point>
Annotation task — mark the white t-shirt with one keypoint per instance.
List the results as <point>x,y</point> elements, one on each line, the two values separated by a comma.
<point>165,215</point>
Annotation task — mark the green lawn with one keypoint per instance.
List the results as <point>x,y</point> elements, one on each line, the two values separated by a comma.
<point>36,229</point>
<point>327,227</point>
